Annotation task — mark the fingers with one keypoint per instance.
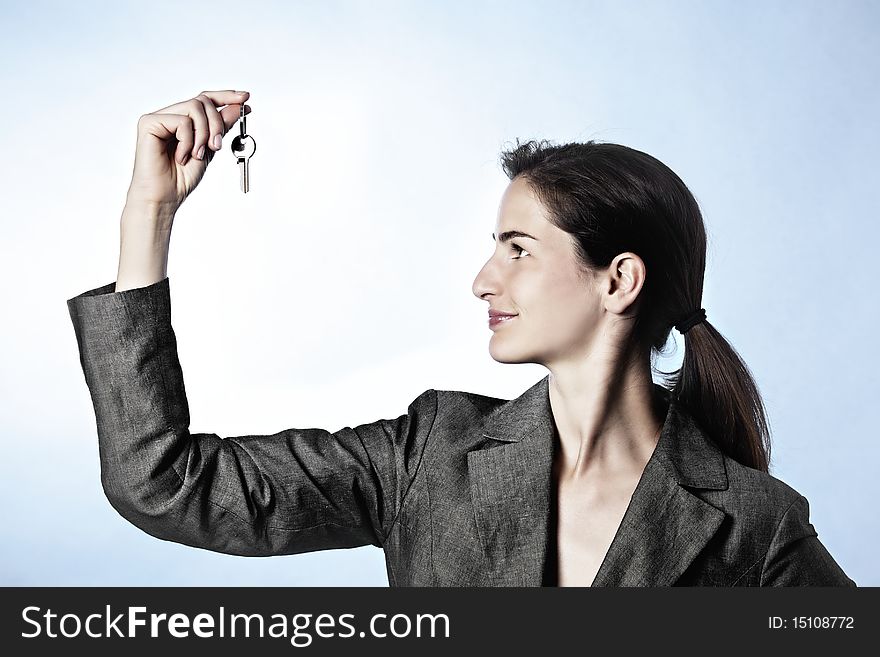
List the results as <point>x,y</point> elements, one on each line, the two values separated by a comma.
<point>210,131</point>
<point>231,114</point>
<point>184,134</point>
<point>226,97</point>
<point>220,124</point>
<point>217,97</point>
<point>197,124</point>
<point>164,126</point>
<point>201,124</point>
<point>228,115</point>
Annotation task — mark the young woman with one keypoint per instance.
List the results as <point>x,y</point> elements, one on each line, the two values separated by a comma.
<point>594,476</point>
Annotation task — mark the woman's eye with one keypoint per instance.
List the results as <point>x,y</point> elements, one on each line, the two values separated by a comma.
<point>519,250</point>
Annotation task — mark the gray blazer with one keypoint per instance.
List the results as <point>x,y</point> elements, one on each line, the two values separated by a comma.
<point>457,491</point>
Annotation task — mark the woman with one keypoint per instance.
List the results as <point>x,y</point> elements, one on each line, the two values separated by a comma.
<point>593,476</point>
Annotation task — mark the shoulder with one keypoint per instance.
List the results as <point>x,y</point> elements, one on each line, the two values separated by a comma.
<point>467,409</point>
<point>459,401</point>
<point>754,490</point>
<point>776,520</point>
<point>764,505</point>
<point>449,414</point>
<point>453,417</point>
<point>482,404</point>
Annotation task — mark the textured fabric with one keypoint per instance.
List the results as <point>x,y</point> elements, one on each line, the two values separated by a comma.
<point>457,491</point>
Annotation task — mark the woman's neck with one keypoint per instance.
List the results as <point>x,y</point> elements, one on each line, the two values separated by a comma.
<point>607,416</point>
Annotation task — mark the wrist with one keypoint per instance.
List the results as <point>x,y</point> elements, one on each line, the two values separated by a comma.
<point>148,213</point>
<point>144,237</point>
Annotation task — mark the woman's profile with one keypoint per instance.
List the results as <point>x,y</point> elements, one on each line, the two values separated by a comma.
<point>594,476</point>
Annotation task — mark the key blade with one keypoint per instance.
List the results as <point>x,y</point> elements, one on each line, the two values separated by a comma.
<point>243,178</point>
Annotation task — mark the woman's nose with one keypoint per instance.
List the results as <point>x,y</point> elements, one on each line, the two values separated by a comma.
<point>484,282</point>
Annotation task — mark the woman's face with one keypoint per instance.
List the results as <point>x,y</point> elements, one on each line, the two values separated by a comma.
<point>538,279</point>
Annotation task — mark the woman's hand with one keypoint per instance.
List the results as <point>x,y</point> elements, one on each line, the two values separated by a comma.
<point>167,163</point>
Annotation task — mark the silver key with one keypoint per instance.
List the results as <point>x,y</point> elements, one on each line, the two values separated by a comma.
<point>243,147</point>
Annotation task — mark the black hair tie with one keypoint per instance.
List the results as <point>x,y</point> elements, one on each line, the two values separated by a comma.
<point>685,325</point>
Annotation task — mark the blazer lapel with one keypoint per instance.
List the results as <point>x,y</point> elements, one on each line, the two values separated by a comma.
<point>510,480</point>
<point>665,525</point>
<point>664,528</point>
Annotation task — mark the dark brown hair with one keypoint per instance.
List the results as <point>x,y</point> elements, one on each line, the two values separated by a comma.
<point>612,199</point>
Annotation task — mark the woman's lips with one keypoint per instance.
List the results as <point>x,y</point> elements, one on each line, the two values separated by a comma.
<point>498,320</point>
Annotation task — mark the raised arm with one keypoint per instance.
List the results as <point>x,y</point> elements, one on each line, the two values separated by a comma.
<point>295,491</point>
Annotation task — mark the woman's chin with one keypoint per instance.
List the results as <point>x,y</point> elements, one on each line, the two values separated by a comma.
<point>504,355</point>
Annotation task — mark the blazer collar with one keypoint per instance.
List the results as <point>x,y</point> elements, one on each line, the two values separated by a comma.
<point>664,528</point>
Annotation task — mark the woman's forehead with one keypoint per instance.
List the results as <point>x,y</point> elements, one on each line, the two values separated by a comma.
<point>521,210</point>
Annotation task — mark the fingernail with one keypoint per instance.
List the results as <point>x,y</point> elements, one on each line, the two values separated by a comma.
<point>201,153</point>
<point>218,142</point>
<point>185,158</point>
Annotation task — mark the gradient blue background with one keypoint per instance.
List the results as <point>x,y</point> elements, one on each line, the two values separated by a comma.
<point>373,199</point>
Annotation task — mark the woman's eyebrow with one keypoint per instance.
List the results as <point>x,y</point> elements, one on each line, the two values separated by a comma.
<point>509,234</point>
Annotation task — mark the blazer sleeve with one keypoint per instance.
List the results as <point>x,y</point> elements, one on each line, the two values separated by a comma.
<point>796,557</point>
<point>298,490</point>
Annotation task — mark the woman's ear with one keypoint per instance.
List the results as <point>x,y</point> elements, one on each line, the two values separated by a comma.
<point>628,275</point>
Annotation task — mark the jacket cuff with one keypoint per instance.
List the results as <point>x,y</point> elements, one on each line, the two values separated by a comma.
<point>102,313</point>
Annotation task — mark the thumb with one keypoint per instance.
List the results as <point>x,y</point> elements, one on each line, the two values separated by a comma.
<point>231,114</point>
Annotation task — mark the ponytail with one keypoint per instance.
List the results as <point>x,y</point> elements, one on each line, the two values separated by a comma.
<point>716,387</point>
